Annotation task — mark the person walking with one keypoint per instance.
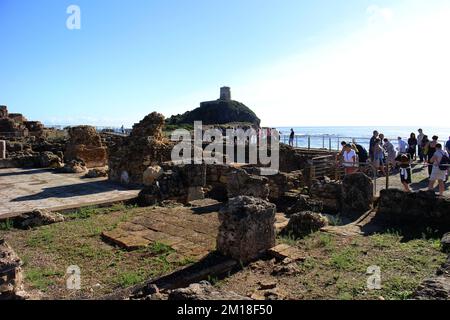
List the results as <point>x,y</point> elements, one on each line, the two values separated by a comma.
<point>439,162</point>
<point>412,146</point>
<point>404,162</point>
<point>419,145</point>
<point>431,150</point>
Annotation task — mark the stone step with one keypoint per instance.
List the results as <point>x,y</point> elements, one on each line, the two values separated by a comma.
<point>281,222</point>
<point>283,251</point>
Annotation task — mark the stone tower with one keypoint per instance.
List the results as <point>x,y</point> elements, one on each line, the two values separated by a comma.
<point>225,93</point>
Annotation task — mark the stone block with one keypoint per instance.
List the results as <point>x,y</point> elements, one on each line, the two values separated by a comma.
<point>247,228</point>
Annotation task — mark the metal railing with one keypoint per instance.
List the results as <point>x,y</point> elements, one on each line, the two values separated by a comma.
<point>331,142</point>
<point>335,170</point>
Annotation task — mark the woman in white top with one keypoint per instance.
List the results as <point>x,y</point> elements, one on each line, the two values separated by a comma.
<point>350,160</point>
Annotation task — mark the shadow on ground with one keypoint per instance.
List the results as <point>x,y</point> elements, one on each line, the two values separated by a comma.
<point>73,190</point>
<point>25,172</point>
<point>212,266</point>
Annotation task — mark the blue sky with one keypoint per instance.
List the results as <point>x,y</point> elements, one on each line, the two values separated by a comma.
<point>323,62</point>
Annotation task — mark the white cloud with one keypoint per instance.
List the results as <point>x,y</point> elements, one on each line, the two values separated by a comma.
<point>400,77</point>
<point>378,14</point>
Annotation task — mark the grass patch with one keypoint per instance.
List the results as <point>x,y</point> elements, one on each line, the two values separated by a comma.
<point>335,220</point>
<point>87,212</point>
<point>345,259</point>
<point>399,288</point>
<point>6,225</point>
<point>288,239</point>
<point>159,248</point>
<point>43,237</point>
<point>336,267</point>
<point>323,240</point>
<point>41,278</point>
<point>104,268</point>
<point>129,279</point>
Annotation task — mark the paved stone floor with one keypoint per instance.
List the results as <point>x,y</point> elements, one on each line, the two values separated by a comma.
<point>23,190</point>
<point>190,231</point>
<point>192,234</point>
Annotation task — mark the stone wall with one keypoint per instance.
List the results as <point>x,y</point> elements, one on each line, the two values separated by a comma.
<point>35,128</point>
<point>146,146</point>
<point>16,125</point>
<point>85,144</point>
<point>31,152</point>
<point>219,182</point>
<point>240,183</point>
<point>329,192</point>
<point>292,160</point>
<point>351,197</point>
<point>17,117</point>
<point>357,195</point>
<point>10,127</point>
<point>418,210</point>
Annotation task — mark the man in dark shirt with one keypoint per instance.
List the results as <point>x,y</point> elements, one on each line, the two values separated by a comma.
<point>447,145</point>
<point>372,144</point>
<point>362,153</point>
<point>291,138</point>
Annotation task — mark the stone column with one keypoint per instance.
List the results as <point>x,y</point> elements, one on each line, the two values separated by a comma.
<point>2,149</point>
<point>247,228</point>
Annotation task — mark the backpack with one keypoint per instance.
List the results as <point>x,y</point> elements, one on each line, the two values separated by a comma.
<point>445,161</point>
<point>362,153</point>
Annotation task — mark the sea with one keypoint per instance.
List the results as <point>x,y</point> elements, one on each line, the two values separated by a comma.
<point>331,137</point>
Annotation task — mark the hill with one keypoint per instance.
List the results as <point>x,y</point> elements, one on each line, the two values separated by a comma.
<point>218,112</point>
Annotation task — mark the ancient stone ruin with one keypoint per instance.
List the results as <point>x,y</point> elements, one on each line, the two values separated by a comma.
<point>11,278</point>
<point>418,210</point>
<point>85,145</point>
<point>247,228</point>
<point>304,223</point>
<point>16,125</point>
<point>145,147</point>
<point>353,196</point>
<point>240,183</point>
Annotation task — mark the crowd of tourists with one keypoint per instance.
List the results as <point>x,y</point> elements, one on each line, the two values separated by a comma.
<point>385,158</point>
